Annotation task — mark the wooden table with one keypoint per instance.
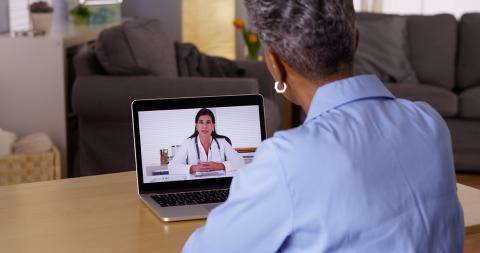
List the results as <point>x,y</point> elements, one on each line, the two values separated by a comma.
<point>470,199</point>
<point>89,214</point>
<point>104,214</point>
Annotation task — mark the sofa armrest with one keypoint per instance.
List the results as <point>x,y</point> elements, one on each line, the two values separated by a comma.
<point>110,97</point>
<point>259,71</point>
<point>85,62</point>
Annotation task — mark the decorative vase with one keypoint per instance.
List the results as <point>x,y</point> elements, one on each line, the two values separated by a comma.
<point>41,22</point>
<point>253,46</point>
<point>253,53</point>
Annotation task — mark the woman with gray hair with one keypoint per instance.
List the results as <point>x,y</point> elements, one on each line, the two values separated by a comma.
<point>365,172</point>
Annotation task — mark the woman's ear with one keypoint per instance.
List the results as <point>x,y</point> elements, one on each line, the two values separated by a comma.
<point>275,66</point>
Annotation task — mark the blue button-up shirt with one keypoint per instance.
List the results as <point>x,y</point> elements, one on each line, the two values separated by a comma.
<point>365,172</point>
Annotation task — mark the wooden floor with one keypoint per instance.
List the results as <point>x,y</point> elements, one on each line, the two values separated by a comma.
<point>472,242</point>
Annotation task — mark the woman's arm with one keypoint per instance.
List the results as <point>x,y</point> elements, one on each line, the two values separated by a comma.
<point>234,160</point>
<point>253,219</point>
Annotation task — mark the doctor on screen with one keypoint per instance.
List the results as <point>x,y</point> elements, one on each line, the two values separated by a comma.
<point>205,152</point>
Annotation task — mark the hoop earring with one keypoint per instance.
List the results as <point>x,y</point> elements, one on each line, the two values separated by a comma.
<point>278,90</point>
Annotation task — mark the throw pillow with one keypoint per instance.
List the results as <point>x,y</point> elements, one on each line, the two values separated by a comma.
<point>191,62</point>
<point>113,53</point>
<point>382,49</point>
<point>137,47</point>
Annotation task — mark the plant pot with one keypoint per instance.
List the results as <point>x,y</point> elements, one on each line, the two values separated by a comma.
<point>41,22</point>
<point>80,20</point>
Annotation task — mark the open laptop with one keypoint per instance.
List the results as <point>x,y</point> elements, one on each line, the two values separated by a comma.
<point>165,151</point>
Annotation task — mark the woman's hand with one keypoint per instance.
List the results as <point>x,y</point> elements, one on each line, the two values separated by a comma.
<point>206,166</point>
<point>199,168</point>
<point>214,166</point>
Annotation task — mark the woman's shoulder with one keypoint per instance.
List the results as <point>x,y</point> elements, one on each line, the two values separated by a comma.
<point>291,134</point>
<point>188,141</point>
<point>223,141</point>
<point>289,139</point>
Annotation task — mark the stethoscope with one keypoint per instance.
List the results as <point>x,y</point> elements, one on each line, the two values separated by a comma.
<point>210,149</point>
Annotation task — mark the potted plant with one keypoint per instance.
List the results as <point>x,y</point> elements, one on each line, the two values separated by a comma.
<point>80,14</point>
<point>41,16</point>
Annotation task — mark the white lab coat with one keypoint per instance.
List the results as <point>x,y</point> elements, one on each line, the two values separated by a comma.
<point>217,153</point>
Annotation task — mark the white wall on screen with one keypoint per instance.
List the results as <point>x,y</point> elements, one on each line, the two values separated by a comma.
<point>162,129</point>
<point>240,124</point>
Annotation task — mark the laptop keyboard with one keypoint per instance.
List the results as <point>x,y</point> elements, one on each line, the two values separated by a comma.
<point>191,198</point>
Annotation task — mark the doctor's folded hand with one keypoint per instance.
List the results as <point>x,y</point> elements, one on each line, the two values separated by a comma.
<point>206,167</point>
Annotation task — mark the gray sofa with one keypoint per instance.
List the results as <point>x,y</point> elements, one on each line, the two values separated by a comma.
<point>442,52</point>
<point>445,56</point>
<point>101,138</point>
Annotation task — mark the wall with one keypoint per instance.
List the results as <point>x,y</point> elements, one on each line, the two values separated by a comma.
<point>240,12</point>
<point>208,24</point>
<point>170,12</point>
<point>167,11</point>
<point>3,16</point>
<point>403,7</point>
<point>455,7</point>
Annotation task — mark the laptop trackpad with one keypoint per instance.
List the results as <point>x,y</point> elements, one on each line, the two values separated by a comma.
<point>210,207</point>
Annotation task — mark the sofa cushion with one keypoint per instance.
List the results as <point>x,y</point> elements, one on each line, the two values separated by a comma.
<point>432,44</point>
<point>470,103</point>
<point>382,48</point>
<point>468,68</point>
<point>443,100</point>
<point>137,47</point>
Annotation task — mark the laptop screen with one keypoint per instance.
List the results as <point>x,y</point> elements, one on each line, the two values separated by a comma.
<point>195,143</point>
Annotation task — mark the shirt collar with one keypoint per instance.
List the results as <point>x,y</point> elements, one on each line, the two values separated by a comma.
<point>338,93</point>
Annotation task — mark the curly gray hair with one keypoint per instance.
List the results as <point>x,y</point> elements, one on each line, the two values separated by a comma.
<point>315,37</point>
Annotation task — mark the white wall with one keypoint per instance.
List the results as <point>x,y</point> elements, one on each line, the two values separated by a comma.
<point>455,7</point>
<point>402,7</point>
<point>167,11</point>
<point>3,16</point>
